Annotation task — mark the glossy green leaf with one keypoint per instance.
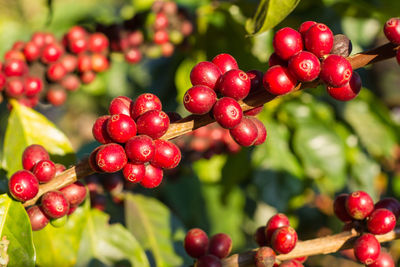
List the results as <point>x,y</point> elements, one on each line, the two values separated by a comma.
<point>158,231</point>
<point>269,13</point>
<point>16,234</point>
<point>26,127</point>
<point>210,170</point>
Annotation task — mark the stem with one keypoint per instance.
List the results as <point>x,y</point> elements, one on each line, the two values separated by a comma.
<point>192,122</point>
<point>322,245</point>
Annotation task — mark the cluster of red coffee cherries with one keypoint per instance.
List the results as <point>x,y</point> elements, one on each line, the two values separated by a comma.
<point>54,205</point>
<point>130,137</point>
<point>392,33</point>
<point>207,252</point>
<point>358,211</point>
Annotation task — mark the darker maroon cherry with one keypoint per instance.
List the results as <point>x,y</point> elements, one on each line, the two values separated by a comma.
<point>392,30</point>
<point>208,261</point>
<point>74,193</point>
<point>278,80</point>
<point>336,71</point>
<point>199,99</point>
<point>318,39</point>
<point>32,155</point>
<point>99,130</point>
<point>389,203</point>
<point>220,245</point>
<point>54,204</point>
<point>284,239</point>
<point>305,66</point>
<point>339,208</point>
<point>167,155</point>
<point>259,236</point>
<point>205,73</point>
<point>153,123</point>
<point>227,112</point>
<point>235,84</point>
<point>225,62</point>
<point>134,173</point>
<point>359,205</point>
<point>37,218</point>
<point>140,149</point>
<point>305,26</point>
<point>111,158</point>
<point>275,222</point>
<point>121,128</point>
<point>144,103</point>
<point>287,42</point>
<point>120,105</point>
<point>381,221</point>
<point>153,177</point>
<point>196,243</point>
<point>245,133</point>
<point>255,77</point>
<point>274,59</point>
<point>44,170</point>
<point>23,185</point>
<point>348,91</point>
<point>367,248</point>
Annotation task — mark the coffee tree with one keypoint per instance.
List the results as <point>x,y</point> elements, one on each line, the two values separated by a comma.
<point>203,133</point>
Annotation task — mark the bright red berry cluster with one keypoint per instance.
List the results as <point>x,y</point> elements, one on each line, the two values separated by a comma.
<point>392,33</point>
<point>358,211</point>
<point>24,185</point>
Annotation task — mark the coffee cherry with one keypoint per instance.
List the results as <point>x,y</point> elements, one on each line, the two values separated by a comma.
<point>87,77</point>
<point>84,63</point>
<point>56,96</point>
<point>339,208</point>
<point>381,221</point>
<point>235,84</point>
<point>245,133</point>
<point>69,62</point>
<point>38,39</point>
<point>278,80</point>
<point>305,66</point>
<point>277,221</point>
<point>287,42</point>
<point>284,239</point>
<point>205,73</point>
<point>99,130</point>
<point>44,170</point>
<point>144,103</point>
<point>359,205</point>
<point>2,80</point>
<point>54,204</point>
<point>254,111</point>
<point>14,54</point>
<point>56,72</point>
<point>274,59</point>
<point>392,30</point>
<point>153,123</point>
<point>99,62</point>
<point>398,56</point>
<point>166,155</point>
<point>121,128</point>
<point>220,245</point>
<point>367,248</point>
<point>173,116</point>
<point>78,45</point>
<point>389,203</point>
<point>259,236</point>
<point>264,257</point>
<point>74,193</point>
<point>196,243</point>
<point>348,91</point>
<point>15,88</point>
<point>261,131</point>
<point>208,261</point>
<point>305,26</point>
<point>140,149</point>
<point>336,71</point>
<point>134,173</point>
<point>225,62</point>
<point>76,32</point>
<point>32,155</point>
<point>111,157</point>
<point>199,99</point>
<point>160,37</point>
<point>51,53</point>
<point>384,260</point>
<point>23,185</point>
<point>341,45</point>
<point>98,202</point>
<point>152,177</point>
<point>60,168</point>
<point>318,39</point>
<point>37,218</point>
<point>33,86</point>
<point>161,21</point>
<point>227,112</point>
<point>120,105</point>
<point>14,67</point>
<point>291,263</point>
<point>71,82</point>
<point>98,42</point>
<point>133,55</point>
<point>255,77</point>
<point>59,222</point>
<point>31,51</point>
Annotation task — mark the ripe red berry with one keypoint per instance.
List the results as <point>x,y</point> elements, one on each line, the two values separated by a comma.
<point>37,218</point>
<point>152,177</point>
<point>220,245</point>
<point>99,62</point>
<point>259,236</point>
<point>59,168</point>
<point>167,155</point>
<point>305,26</point>
<point>78,45</point>
<point>33,86</point>
<point>134,173</point>
<point>98,42</point>
<point>140,149</point>
<point>93,162</point>
<point>367,248</point>
<point>32,155</point>
<point>120,105</point>
<point>135,38</point>
<point>261,131</point>
<point>56,72</point>
<point>392,30</point>
<point>287,42</point>
<point>44,170</point>
<point>51,53</point>
<point>291,263</point>
<point>38,39</point>
<point>74,193</point>
<point>348,91</point>
<point>56,96</point>
<point>235,84</point>
<point>336,71</point>
<point>284,239</point>
<point>99,130</point>
<point>23,185</point>
<point>160,37</point>
<point>339,207</point>
<point>54,204</point>
<point>208,261</point>
<point>275,222</point>
<point>225,62</point>
<point>76,32</point>
<point>245,133</point>
<point>71,82</point>
<point>2,80</point>
<point>31,51</point>
<point>69,62</point>
<point>196,243</point>
<point>255,77</point>
<point>133,55</point>
<point>359,205</point>
<point>14,67</point>
<point>274,59</point>
<point>98,202</point>
<point>384,260</point>
<point>389,203</point>
<point>318,39</point>
<point>305,66</point>
<point>121,128</point>
<point>264,256</point>
<point>381,221</point>
<point>87,76</point>
<point>153,123</point>
<point>84,63</point>
<point>205,73</point>
<point>161,21</point>
<point>111,157</point>
<point>15,88</point>
<point>199,99</point>
<point>144,103</point>
<point>254,111</point>
<point>278,80</point>
<point>227,112</point>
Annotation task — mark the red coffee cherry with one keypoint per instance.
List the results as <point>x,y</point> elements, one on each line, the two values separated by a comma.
<point>99,62</point>
<point>44,170</point>
<point>121,128</point>
<point>74,193</point>
<point>227,112</point>
<point>359,205</point>
<point>71,82</point>
<point>32,155</point>
<point>291,263</point>
<point>381,221</point>
<point>87,77</point>
<point>264,256</point>
<point>120,105</point>
<point>255,77</point>
<point>196,243</point>
<point>14,54</point>
<point>225,62</point>
<point>84,63</point>
<point>161,21</point>
<point>392,30</point>
<point>111,158</point>
<point>23,185</point>
<point>367,248</point>
<point>78,45</point>
<point>339,207</point>
<point>348,91</point>
<point>205,73</point>
<point>208,261</point>
<point>199,99</point>
<point>277,221</point>
<point>60,168</point>
<point>220,245</point>
<point>166,155</point>
<point>38,39</point>
<point>384,260</point>
<point>398,56</point>
<point>144,103</point>
<point>54,204</point>
<point>284,239</point>
<point>305,26</point>
<point>93,162</point>
<point>37,217</point>
<point>133,55</point>
<point>259,236</point>
<point>15,88</point>
<point>69,62</point>
<point>274,59</point>
<point>160,37</point>
<point>51,53</point>
<point>140,149</point>
<point>318,39</point>
<point>235,84</point>
<point>99,130</point>
<point>134,173</point>
<point>98,42</point>
<point>76,32</point>
<point>305,66</point>
<point>2,80</point>
<point>56,72</point>
<point>336,71</point>
<point>261,131</point>
<point>33,86</point>
<point>278,80</point>
<point>254,111</point>
<point>287,42</point>
<point>245,133</point>
<point>153,177</point>
<point>31,51</point>
<point>389,203</point>
<point>135,38</point>
<point>153,123</point>
<point>14,67</point>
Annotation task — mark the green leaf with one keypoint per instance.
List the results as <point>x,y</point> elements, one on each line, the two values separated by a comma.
<point>16,233</point>
<point>269,13</point>
<point>156,228</point>
<point>210,170</point>
<point>26,127</point>
<point>103,244</point>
